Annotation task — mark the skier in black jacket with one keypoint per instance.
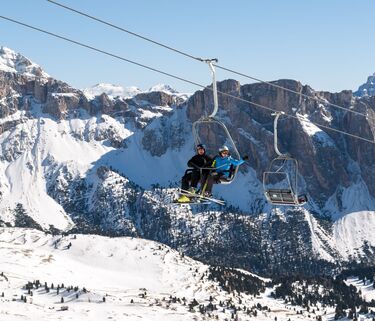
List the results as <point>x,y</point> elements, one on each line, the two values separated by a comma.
<point>191,178</point>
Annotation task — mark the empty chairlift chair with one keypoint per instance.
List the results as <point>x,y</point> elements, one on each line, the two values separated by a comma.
<point>280,181</point>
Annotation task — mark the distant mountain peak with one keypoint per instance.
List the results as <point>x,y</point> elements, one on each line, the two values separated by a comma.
<point>111,90</point>
<point>165,88</point>
<point>11,61</point>
<point>125,92</point>
<point>368,88</point>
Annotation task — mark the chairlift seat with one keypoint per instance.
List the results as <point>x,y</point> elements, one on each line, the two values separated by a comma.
<point>284,197</point>
<point>227,179</point>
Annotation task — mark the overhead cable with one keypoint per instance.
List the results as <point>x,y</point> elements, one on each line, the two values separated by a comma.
<point>124,30</point>
<point>176,77</point>
<point>99,50</point>
<point>272,84</point>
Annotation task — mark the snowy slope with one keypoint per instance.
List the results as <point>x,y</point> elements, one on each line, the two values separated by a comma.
<point>366,287</point>
<point>118,269</point>
<point>352,231</point>
<point>315,132</point>
<point>137,278</point>
<point>32,145</point>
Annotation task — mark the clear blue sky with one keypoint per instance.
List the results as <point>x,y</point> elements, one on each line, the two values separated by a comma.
<point>327,44</point>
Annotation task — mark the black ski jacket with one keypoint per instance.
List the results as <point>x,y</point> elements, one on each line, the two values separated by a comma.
<point>199,161</point>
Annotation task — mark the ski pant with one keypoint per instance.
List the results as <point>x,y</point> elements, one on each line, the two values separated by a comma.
<point>213,178</point>
<point>190,179</point>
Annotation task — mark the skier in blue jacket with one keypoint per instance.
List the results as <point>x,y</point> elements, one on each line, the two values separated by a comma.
<point>223,164</point>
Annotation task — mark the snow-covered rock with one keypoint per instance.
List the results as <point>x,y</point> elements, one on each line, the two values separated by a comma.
<point>129,92</point>
<point>111,90</point>
<point>368,88</point>
<point>163,87</point>
<point>10,61</point>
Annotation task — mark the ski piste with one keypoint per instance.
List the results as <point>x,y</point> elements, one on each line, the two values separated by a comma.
<point>189,194</point>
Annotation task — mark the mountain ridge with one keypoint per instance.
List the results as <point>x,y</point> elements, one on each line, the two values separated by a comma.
<point>368,88</point>
<point>112,165</point>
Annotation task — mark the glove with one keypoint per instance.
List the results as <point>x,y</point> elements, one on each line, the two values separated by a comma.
<point>245,157</point>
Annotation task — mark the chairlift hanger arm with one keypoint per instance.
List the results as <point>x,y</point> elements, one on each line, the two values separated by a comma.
<point>210,63</point>
<point>275,134</point>
<point>211,120</point>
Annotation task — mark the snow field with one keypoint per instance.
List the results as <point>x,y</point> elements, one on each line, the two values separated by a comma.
<point>136,277</point>
<point>112,268</point>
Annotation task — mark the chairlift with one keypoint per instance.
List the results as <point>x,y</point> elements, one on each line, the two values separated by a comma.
<point>280,181</point>
<point>208,125</point>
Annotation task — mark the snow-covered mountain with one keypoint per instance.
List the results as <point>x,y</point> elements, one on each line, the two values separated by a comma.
<point>111,91</point>
<point>11,61</point>
<point>111,165</point>
<point>368,88</point>
<point>164,88</point>
<point>114,91</point>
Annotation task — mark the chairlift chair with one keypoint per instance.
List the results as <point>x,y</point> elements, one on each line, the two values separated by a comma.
<point>280,181</point>
<point>210,122</point>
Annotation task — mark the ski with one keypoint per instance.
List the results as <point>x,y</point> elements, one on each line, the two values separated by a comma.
<point>191,203</point>
<point>189,194</point>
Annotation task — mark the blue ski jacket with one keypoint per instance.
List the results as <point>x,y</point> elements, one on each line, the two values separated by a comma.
<point>222,164</point>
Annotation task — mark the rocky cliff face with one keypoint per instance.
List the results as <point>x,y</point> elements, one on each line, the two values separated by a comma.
<point>325,157</point>
<point>108,165</point>
<point>368,88</point>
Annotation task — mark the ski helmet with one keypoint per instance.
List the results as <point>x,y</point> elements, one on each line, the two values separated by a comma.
<point>223,148</point>
<point>201,146</point>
